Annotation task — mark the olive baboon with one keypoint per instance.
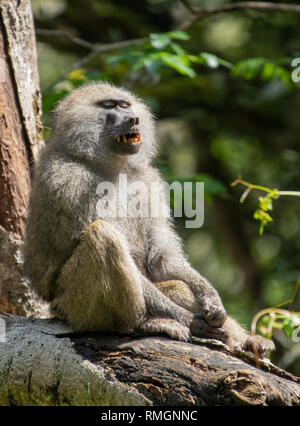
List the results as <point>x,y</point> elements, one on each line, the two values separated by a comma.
<point>117,272</point>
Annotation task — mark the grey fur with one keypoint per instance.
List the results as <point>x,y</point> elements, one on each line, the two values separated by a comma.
<point>100,274</point>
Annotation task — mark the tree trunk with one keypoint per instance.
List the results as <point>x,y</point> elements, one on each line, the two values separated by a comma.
<point>43,363</point>
<point>20,137</point>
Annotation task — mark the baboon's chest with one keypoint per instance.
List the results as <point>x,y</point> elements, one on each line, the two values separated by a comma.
<point>136,234</point>
<point>128,208</point>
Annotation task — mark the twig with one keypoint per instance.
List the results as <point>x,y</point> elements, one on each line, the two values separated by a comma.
<point>231,7</point>
<point>251,186</point>
<point>190,6</point>
<point>95,47</point>
<point>61,33</point>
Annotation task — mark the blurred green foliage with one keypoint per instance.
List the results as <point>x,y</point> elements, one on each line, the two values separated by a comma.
<point>227,106</point>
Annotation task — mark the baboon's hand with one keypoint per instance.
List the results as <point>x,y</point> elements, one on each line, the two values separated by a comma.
<point>169,327</point>
<point>201,328</point>
<point>211,304</point>
<point>259,344</point>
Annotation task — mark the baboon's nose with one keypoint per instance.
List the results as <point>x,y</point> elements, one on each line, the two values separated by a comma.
<point>134,120</point>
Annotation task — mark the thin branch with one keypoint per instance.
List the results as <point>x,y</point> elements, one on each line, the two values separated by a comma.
<point>231,7</point>
<point>292,193</point>
<point>276,193</point>
<point>190,6</point>
<point>120,44</point>
<point>95,50</point>
<point>99,48</point>
<point>256,5</point>
<point>64,34</point>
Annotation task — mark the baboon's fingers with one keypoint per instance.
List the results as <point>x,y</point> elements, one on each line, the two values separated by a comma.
<point>164,326</point>
<point>259,344</point>
<point>215,315</point>
<point>201,328</point>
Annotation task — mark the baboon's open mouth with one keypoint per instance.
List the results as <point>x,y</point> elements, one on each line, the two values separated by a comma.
<point>128,143</point>
<point>129,138</point>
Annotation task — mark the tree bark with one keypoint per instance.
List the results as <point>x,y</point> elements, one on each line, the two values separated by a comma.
<point>20,138</point>
<point>43,362</point>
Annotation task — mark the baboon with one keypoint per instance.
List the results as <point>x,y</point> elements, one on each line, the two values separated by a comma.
<point>113,272</point>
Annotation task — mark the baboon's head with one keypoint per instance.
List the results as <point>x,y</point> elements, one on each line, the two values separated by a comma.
<point>100,121</point>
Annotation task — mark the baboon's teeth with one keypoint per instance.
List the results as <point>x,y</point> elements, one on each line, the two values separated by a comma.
<point>134,138</point>
<point>129,137</point>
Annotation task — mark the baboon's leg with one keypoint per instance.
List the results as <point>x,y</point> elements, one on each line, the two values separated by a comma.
<point>180,293</point>
<point>99,285</point>
<point>237,337</point>
<point>100,288</point>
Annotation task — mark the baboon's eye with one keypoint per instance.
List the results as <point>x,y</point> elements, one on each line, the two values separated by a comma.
<point>108,104</point>
<point>124,104</point>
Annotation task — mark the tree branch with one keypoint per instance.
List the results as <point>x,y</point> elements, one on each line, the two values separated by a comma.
<point>43,362</point>
<point>232,7</point>
<point>196,15</point>
<point>96,49</point>
<point>64,34</point>
<point>190,6</point>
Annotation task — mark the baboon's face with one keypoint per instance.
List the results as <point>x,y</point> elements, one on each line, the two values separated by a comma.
<point>102,121</point>
<point>121,125</point>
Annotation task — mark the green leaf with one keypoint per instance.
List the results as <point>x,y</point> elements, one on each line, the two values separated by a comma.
<point>265,203</point>
<point>248,68</point>
<point>225,63</point>
<point>267,72</point>
<point>151,62</point>
<point>284,76</point>
<point>177,49</point>
<point>261,68</point>
<point>77,75</point>
<point>179,63</point>
<point>264,219</point>
<point>288,329</point>
<point>179,35</point>
<point>159,40</point>
<point>209,59</point>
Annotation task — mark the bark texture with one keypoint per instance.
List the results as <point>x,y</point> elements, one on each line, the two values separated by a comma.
<point>20,138</point>
<point>43,363</point>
